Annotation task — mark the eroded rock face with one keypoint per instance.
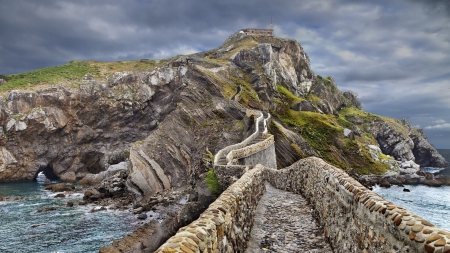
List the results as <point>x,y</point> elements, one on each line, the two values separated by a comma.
<point>412,145</point>
<point>285,63</point>
<point>81,131</point>
<point>172,155</point>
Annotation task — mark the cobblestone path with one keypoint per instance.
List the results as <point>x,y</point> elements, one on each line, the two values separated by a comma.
<point>283,223</point>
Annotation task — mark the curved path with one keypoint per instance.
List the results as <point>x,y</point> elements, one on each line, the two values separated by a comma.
<point>283,223</point>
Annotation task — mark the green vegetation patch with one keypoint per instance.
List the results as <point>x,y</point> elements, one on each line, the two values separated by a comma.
<point>73,72</point>
<point>291,98</point>
<point>52,75</point>
<point>324,132</point>
<point>212,182</point>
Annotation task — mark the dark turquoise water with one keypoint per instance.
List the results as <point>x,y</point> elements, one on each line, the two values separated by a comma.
<point>66,229</point>
<point>430,203</point>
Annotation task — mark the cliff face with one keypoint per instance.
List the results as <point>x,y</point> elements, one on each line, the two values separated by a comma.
<point>79,131</point>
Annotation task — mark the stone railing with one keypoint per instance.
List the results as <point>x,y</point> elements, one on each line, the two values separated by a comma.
<point>236,154</point>
<point>266,123</point>
<point>230,168</point>
<point>226,225</point>
<point>248,140</point>
<point>354,218</point>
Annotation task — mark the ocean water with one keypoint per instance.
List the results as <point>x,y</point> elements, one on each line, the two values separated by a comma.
<point>430,203</point>
<point>66,229</point>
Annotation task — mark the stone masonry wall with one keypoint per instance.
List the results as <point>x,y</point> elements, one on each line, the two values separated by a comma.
<point>266,157</point>
<point>226,225</point>
<point>354,218</point>
<point>251,149</point>
<point>227,149</point>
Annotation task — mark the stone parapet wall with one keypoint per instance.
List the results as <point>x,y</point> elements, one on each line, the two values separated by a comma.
<point>354,218</point>
<point>266,157</point>
<point>248,140</point>
<point>226,225</point>
<point>236,154</point>
<point>266,123</point>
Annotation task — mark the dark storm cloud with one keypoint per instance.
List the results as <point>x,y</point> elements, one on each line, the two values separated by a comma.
<point>394,54</point>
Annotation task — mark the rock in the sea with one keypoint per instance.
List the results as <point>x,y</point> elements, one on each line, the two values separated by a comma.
<point>385,183</point>
<point>60,187</point>
<point>91,195</point>
<point>38,225</point>
<point>47,209</point>
<point>69,204</point>
<point>60,195</point>
<point>97,209</point>
<point>142,216</point>
<point>406,190</point>
<point>138,210</point>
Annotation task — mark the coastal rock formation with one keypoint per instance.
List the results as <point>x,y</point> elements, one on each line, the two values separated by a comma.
<point>81,131</point>
<point>405,144</point>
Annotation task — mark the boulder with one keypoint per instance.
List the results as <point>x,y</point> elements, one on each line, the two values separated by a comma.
<point>349,133</point>
<point>85,134</point>
<point>142,216</point>
<point>59,187</point>
<point>68,177</point>
<point>97,209</point>
<point>91,195</point>
<point>60,195</point>
<point>304,105</point>
<point>47,209</point>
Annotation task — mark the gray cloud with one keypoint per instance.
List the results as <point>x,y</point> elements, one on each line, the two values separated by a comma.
<point>394,54</point>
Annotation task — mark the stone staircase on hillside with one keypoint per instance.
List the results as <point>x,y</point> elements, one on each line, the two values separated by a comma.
<point>230,155</point>
<point>233,161</point>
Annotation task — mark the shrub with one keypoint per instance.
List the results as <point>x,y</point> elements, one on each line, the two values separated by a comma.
<point>212,182</point>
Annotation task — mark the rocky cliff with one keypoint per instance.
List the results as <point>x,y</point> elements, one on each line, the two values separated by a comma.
<point>163,117</point>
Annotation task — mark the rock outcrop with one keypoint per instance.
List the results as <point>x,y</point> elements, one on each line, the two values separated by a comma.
<point>80,131</point>
<point>405,144</point>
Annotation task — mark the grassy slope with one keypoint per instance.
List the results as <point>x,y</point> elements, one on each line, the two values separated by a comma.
<point>324,132</point>
<point>72,73</point>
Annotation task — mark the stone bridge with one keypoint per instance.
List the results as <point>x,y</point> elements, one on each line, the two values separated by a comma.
<point>350,217</point>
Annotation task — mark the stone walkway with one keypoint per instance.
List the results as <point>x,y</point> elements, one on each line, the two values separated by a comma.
<point>283,223</point>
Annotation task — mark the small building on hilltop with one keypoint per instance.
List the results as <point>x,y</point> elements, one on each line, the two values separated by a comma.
<point>258,31</point>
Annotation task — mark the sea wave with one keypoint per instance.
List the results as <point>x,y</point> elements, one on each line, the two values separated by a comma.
<point>433,169</point>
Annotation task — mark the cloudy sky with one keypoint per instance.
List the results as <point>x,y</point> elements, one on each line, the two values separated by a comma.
<point>394,53</point>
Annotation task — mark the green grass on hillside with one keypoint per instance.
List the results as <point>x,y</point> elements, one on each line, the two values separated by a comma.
<point>291,98</point>
<point>74,72</point>
<point>52,75</point>
<point>325,133</point>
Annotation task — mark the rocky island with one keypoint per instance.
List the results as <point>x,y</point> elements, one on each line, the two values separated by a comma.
<point>143,134</point>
